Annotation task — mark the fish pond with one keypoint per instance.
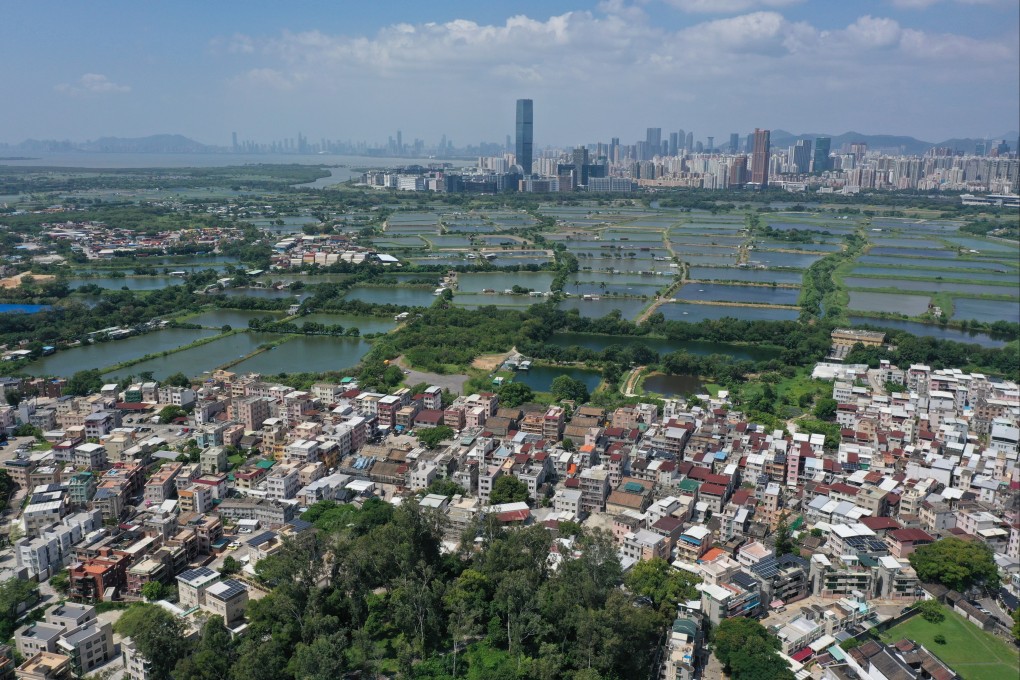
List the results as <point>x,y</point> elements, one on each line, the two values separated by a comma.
<point>673,385</point>
<point>679,311</point>
<point>717,292</point>
<point>307,354</point>
<point>540,378</point>
<point>66,363</point>
<point>911,305</point>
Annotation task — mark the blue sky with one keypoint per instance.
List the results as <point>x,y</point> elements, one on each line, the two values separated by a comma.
<point>361,70</point>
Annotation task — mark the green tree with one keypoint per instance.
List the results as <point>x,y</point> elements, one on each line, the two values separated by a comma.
<point>565,387</point>
<point>168,414</point>
<point>784,539</point>
<point>430,437</point>
<point>15,594</point>
<point>514,394</point>
<point>1016,624</point>
<point>61,581</point>
<point>324,658</point>
<point>230,566</point>
<point>956,564</point>
<point>178,380</point>
<point>466,602</point>
<point>568,444</point>
<point>84,383</point>
<point>665,586</point>
<point>508,489</point>
<point>746,649</point>
<point>154,590</point>
<point>214,654</point>
<point>931,611</point>
<point>825,408</point>
<point>445,487</point>
<point>159,636</point>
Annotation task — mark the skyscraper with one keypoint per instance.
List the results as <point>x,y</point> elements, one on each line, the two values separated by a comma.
<point>674,143</point>
<point>689,145</point>
<point>711,144</point>
<point>738,171</point>
<point>233,136</point>
<point>525,133</point>
<point>822,145</point>
<point>581,165</point>
<point>802,155</point>
<point>734,142</point>
<point>760,158</point>
<point>681,140</point>
<point>653,142</point>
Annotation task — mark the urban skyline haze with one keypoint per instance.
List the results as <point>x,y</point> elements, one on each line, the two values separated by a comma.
<point>924,68</point>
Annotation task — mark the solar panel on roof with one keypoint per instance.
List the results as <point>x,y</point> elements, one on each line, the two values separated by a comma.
<point>259,539</point>
<point>766,568</point>
<point>300,525</point>
<point>745,581</point>
<point>233,588</point>
<point>197,573</point>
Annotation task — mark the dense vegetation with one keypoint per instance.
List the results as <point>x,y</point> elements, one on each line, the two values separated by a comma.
<point>748,651</point>
<point>956,564</point>
<point>369,590</point>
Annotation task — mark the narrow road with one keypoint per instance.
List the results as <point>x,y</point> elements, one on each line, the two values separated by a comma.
<point>631,382</point>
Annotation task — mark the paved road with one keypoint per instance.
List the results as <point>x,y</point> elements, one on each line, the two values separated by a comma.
<point>454,382</point>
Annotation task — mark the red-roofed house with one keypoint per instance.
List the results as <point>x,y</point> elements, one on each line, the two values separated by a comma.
<point>902,542</point>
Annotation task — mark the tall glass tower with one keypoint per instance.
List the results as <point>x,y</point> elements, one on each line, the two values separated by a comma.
<point>822,145</point>
<point>760,159</point>
<point>525,133</point>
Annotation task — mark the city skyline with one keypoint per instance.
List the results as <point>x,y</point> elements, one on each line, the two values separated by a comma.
<point>932,70</point>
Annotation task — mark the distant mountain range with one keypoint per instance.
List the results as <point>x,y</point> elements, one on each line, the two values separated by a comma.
<point>150,144</point>
<point>779,139</point>
<point>903,144</point>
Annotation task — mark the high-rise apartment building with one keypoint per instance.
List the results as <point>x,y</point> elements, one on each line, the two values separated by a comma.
<point>653,142</point>
<point>738,171</point>
<point>822,162</point>
<point>760,158</point>
<point>802,156</point>
<point>525,134</point>
<point>581,165</point>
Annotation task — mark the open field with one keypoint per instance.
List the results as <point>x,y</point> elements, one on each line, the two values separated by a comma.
<point>971,652</point>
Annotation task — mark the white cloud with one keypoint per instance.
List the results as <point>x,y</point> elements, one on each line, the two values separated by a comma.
<point>727,6</point>
<point>607,65</point>
<point>924,4</point>
<point>92,83</point>
<point>869,31</point>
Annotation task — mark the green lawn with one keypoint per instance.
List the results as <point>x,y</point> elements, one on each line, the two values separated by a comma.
<point>971,652</point>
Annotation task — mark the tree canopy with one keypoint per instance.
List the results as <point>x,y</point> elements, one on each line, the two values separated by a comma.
<point>158,635</point>
<point>748,651</point>
<point>508,489</point>
<point>956,564</point>
<point>664,586</point>
<point>514,394</point>
<point>84,383</point>
<point>371,592</point>
<point>565,387</point>
<point>430,437</point>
